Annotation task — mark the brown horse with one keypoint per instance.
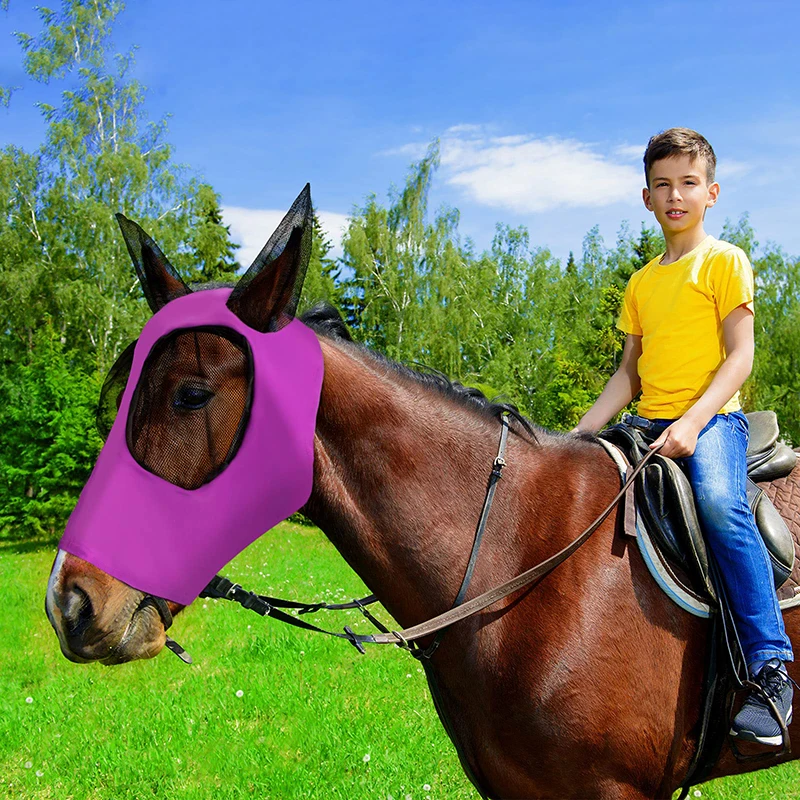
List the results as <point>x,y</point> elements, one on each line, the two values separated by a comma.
<point>586,685</point>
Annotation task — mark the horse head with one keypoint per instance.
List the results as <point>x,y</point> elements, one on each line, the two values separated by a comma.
<point>211,444</point>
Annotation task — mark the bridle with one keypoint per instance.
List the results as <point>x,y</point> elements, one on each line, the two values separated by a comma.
<point>162,607</point>
<point>224,589</point>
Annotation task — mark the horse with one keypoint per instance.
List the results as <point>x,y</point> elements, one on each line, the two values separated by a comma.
<point>586,684</point>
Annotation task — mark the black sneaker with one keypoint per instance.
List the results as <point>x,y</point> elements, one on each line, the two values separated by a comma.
<point>755,722</point>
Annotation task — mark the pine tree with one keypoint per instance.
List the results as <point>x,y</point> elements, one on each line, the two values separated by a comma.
<point>322,283</point>
<point>649,245</point>
<point>212,251</point>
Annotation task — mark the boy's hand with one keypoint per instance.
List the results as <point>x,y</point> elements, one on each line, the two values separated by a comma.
<point>679,440</point>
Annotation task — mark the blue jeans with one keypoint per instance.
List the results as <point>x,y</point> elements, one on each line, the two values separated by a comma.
<point>717,472</point>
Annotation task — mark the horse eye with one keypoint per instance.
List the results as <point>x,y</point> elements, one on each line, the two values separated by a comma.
<point>191,398</point>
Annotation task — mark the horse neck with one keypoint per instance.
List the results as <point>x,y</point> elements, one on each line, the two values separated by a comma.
<point>399,480</point>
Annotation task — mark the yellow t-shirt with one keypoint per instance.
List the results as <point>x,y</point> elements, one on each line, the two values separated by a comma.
<point>678,310</point>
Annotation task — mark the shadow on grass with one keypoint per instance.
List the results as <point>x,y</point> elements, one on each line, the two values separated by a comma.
<point>22,546</point>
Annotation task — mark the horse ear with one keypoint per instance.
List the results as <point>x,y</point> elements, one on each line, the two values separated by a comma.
<point>160,280</point>
<point>266,296</point>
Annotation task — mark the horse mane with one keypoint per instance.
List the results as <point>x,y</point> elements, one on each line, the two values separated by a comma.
<point>326,320</point>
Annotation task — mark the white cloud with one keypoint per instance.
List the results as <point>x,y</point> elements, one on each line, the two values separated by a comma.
<point>732,169</point>
<point>529,174</point>
<point>335,226</point>
<point>631,152</point>
<point>414,150</point>
<point>251,227</point>
<point>464,128</point>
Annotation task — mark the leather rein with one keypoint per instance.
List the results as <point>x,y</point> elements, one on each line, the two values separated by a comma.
<point>224,589</point>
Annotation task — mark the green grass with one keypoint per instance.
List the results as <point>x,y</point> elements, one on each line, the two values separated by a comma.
<point>311,711</point>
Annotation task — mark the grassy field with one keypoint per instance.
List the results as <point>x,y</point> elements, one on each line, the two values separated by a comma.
<point>265,711</point>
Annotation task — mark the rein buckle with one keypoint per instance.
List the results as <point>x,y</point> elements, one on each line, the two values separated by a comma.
<point>353,639</point>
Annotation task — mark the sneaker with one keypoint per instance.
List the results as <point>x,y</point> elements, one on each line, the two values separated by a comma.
<point>755,722</point>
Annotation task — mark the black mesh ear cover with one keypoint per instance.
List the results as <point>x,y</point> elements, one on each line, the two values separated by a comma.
<point>159,279</point>
<point>113,387</point>
<point>266,296</point>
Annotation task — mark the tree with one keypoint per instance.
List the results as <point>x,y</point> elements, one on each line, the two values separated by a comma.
<point>65,275</point>
<point>773,383</point>
<point>98,158</point>
<point>212,253</point>
<point>775,380</point>
<point>649,245</point>
<point>322,279</point>
<point>741,234</point>
<point>49,439</point>
<point>389,253</point>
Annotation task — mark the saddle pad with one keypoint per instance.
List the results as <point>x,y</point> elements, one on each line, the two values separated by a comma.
<point>785,496</point>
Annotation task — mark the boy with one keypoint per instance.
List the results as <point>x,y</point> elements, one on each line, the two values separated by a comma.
<point>688,316</point>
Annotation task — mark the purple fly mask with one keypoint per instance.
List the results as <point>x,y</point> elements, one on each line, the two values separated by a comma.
<point>213,442</point>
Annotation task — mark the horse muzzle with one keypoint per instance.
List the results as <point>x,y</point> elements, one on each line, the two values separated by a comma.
<point>98,618</point>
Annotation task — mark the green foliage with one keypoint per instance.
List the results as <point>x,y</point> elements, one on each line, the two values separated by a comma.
<point>65,274</point>
<point>568,394</point>
<point>322,278</point>
<point>70,37</point>
<point>212,251</point>
<point>650,244</point>
<point>741,234</point>
<point>5,94</point>
<point>510,318</point>
<point>49,441</point>
<point>392,253</point>
<point>774,382</point>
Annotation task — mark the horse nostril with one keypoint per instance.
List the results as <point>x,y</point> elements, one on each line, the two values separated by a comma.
<point>77,610</point>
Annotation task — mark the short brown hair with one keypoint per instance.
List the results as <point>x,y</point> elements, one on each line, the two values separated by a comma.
<point>679,142</point>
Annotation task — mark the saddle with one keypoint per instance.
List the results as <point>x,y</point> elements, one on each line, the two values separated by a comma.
<point>666,507</point>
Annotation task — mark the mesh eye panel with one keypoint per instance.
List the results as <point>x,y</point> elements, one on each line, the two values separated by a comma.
<point>191,405</point>
<point>111,393</point>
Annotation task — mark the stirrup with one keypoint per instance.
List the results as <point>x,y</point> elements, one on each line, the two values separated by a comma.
<point>786,745</point>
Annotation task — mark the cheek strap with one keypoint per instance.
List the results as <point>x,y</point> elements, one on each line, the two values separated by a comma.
<point>162,607</point>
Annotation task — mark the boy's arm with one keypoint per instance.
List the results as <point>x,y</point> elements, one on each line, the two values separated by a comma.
<point>680,439</point>
<point>621,388</point>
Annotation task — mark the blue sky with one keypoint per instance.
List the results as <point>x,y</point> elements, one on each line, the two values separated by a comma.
<point>543,109</point>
